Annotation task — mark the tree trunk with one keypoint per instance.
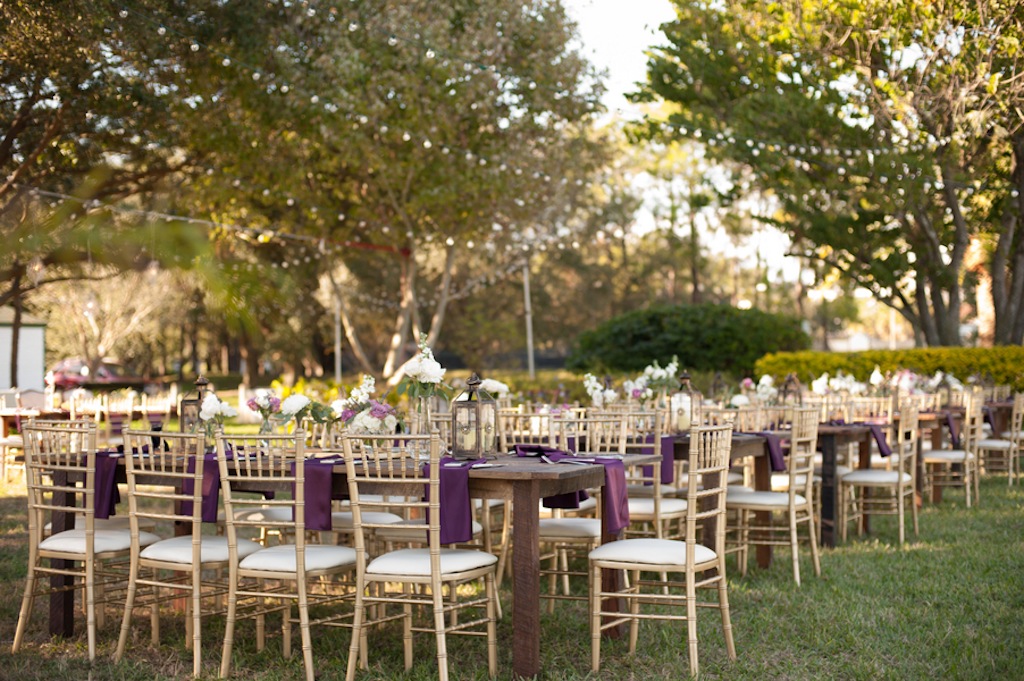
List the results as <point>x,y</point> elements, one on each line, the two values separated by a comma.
<point>403,319</point>
<point>16,325</point>
<point>354,343</point>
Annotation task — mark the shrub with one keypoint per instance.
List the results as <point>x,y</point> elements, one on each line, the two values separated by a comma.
<point>1001,365</point>
<point>706,337</point>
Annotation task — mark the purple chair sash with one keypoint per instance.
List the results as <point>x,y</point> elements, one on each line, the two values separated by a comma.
<point>880,438</point>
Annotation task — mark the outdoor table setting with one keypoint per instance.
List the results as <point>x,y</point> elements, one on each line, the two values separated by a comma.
<point>524,480</point>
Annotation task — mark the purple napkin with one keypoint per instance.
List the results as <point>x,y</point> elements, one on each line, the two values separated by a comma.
<point>106,495</point>
<point>668,459</point>
<point>615,499</point>
<point>117,422</point>
<point>536,450</point>
<point>954,432</point>
<point>456,512</point>
<point>211,487</point>
<point>317,484</point>
<point>879,434</point>
<point>569,500</point>
<point>773,441</point>
<point>987,413</point>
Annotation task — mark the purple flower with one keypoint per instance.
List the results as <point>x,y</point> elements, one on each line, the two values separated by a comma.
<point>347,415</point>
<point>380,411</point>
<point>637,393</point>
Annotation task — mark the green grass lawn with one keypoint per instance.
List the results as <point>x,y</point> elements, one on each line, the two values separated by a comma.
<point>949,605</point>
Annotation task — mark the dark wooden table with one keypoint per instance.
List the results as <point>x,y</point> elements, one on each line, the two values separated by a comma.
<point>523,481</point>
<point>830,439</point>
<point>743,446</point>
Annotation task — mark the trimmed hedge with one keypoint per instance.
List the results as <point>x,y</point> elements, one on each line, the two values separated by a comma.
<point>1003,365</point>
<point>706,337</point>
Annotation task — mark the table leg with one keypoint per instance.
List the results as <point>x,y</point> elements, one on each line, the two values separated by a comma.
<point>864,463</point>
<point>937,446</point>
<point>526,579</point>
<point>763,482</point>
<point>827,442</point>
<point>62,603</point>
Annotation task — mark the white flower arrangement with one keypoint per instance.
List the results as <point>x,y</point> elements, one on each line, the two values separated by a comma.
<point>296,406</point>
<point>424,375</point>
<point>379,418</point>
<point>658,378</point>
<point>213,411</point>
<point>766,391</point>
<point>599,395</point>
<point>496,389</point>
<point>739,400</point>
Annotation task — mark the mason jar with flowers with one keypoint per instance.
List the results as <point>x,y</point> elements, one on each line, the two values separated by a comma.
<point>212,413</point>
<point>265,404</point>
<point>423,379</point>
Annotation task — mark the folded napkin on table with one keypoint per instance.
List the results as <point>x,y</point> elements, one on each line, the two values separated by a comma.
<point>456,512</point>
<point>615,501</point>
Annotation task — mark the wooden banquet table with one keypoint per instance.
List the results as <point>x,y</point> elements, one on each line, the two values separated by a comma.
<point>522,480</point>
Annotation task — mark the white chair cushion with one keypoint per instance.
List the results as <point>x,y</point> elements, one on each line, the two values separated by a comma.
<point>780,481</point>
<point>648,490</point>
<point>991,443</point>
<point>413,531</point>
<point>570,528</point>
<point>270,514</point>
<point>587,505</point>
<point>417,562</point>
<point>734,478</point>
<point>73,541</point>
<point>755,499</point>
<point>738,488</point>
<point>875,477</point>
<point>115,523</point>
<point>645,507</point>
<point>212,549</point>
<point>651,552</point>
<point>1007,434</point>
<point>947,456</point>
<point>343,519</point>
<point>282,558</point>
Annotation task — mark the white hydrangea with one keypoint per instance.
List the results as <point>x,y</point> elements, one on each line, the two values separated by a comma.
<point>213,408</point>
<point>495,388</point>
<point>293,404</point>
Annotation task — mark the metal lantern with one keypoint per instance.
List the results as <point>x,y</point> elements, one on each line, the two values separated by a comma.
<point>474,422</point>
<point>686,404</point>
<point>188,410</point>
<point>791,388</point>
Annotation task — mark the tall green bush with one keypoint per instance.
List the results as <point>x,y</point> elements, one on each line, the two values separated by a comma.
<point>1001,365</point>
<point>706,337</point>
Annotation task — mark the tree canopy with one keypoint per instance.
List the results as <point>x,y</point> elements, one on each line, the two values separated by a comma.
<point>890,134</point>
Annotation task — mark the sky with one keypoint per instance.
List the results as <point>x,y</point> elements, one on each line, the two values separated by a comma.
<point>615,34</point>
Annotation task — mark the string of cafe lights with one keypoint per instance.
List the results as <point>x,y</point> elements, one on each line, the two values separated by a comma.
<point>798,153</point>
<point>357,119</point>
<point>310,248</point>
<point>801,155</point>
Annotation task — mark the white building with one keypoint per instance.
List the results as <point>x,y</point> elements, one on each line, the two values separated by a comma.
<point>31,351</point>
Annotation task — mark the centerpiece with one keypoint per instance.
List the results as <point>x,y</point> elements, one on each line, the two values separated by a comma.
<point>423,379</point>
<point>265,404</point>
